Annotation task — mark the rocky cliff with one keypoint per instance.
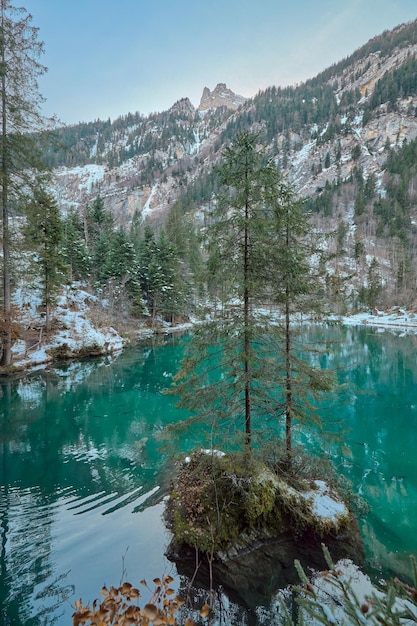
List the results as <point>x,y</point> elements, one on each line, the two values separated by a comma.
<point>221,96</point>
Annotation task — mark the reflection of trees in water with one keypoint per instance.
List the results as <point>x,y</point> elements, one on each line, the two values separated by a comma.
<point>380,371</point>
<point>79,426</point>
<point>25,560</point>
<point>90,427</point>
<point>98,431</point>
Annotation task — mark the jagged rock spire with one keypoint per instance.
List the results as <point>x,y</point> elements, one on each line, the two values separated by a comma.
<point>221,96</point>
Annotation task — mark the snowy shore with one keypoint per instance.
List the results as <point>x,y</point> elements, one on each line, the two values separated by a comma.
<point>80,328</point>
<point>396,318</point>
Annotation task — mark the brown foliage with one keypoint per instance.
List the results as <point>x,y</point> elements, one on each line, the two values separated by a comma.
<point>120,608</point>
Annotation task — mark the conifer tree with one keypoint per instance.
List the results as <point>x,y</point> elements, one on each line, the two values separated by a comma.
<point>374,288</point>
<point>121,269</point>
<point>44,234</point>
<point>244,368</point>
<point>121,260</point>
<point>74,248</point>
<point>20,115</point>
<point>181,232</point>
<point>98,222</point>
<point>173,289</point>
<point>98,235</point>
<point>297,291</point>
<point>160,275</point>
<point>150,274</point>
<point>223,377</point>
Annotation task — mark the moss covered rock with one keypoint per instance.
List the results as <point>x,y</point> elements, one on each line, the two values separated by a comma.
<point>246,521</point>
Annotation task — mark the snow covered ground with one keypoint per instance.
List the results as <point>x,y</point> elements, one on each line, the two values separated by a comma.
<point>74,330</point>
<point>396,318</point>
<point>345,595</point>
<point>80,327</point>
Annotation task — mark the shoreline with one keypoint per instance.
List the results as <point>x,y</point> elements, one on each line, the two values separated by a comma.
<point>80,338</point>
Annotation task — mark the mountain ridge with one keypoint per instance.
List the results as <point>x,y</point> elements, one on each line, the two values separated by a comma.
<point>330,135</point>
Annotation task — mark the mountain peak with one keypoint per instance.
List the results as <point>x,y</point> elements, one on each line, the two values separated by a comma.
<point>221,96</point>
<point>182,107</point>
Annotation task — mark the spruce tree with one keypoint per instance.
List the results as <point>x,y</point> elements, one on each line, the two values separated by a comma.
<point>374,288</point>
<point>74,248</point>
<point>20,116</point>
<point>298,291</point>
<point>223,378</point>
<point>121,271</point>
<point>173,289</point>
<point>150,272</point>
<point>98,236</point>
<point>44,234</point>
<point>244,369</point>
<point>98,222</point>
<point>181,231</point>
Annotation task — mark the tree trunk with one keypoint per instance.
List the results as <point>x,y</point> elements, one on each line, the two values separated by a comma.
<point>246,347</point>
<point>6,357</point>
<point>288,385</point>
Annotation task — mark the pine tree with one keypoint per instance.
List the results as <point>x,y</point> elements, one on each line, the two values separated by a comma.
<point>173,291</point>
<point>374,288</point>
<point>150,274</point>
<point>121,261</point>
<point>98,223</point>
<point>44,234</point>
<point>121,270</point>
<point>98,235</point>
<point>181,232</point>
<point>244,368</point>
<point>20,104</point>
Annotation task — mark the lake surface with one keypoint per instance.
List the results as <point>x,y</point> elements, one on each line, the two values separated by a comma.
<point>82,469</point>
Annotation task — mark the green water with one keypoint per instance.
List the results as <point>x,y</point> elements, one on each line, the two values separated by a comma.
<point>82,468</point>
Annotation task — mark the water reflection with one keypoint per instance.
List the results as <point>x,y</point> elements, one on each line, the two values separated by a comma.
<point>77,459</point>
<point>81,466</point>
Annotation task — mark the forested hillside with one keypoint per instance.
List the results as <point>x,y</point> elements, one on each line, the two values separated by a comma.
<point>344,139</point>
<point>129,198</point>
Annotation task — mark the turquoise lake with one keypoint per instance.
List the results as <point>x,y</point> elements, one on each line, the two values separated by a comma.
<point>82,469</point>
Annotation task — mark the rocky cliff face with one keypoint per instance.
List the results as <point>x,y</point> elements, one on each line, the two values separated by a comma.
<point>221,96</point>
<point>174,147</point>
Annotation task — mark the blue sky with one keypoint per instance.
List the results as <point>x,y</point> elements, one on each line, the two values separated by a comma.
<point>106,58</point>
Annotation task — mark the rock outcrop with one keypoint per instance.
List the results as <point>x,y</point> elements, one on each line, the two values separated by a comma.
<point>182,107</point>
<point>259,565</point>
<point>251,525</point>
<point>221,96</point>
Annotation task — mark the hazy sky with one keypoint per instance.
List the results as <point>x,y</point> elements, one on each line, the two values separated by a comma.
<point>106,58</point>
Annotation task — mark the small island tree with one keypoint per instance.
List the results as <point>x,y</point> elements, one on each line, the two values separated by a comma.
<point>296,291</point>
<point>220,378</point>
<point>245,375</point>
<point>242,368</point>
